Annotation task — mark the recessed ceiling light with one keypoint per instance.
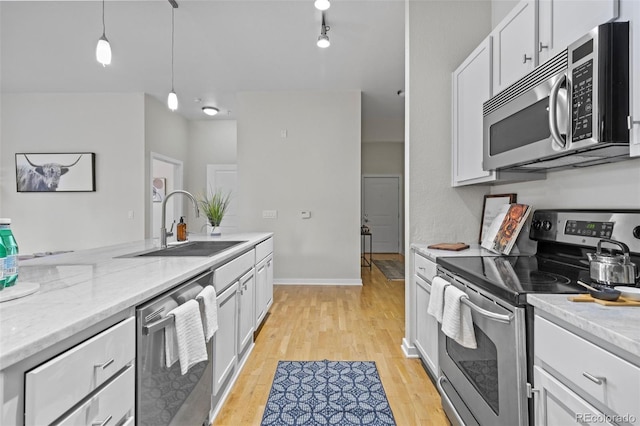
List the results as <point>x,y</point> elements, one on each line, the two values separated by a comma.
<point>209,110</point>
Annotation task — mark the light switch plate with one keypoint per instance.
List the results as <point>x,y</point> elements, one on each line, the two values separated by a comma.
<point>305,214</point>
<point>269,214</point>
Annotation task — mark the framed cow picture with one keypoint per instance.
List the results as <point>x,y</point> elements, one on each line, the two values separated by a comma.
<point>56,172</point>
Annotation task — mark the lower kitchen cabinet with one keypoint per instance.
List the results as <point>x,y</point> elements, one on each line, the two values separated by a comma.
<point>264,288</point>
<point>426,326</point>
<point>224,341</point>
<point>246,310</point>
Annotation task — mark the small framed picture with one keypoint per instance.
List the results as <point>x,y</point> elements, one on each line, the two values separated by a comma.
<point>491,208</point>
<point>159,188</point>
<point>56,172</point>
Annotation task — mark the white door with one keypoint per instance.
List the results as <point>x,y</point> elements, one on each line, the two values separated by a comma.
<point>224,177</point>
<point>381,211</point>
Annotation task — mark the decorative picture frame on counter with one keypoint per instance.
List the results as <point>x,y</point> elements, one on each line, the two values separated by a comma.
<point>491,208</point>
<point>56,172</point>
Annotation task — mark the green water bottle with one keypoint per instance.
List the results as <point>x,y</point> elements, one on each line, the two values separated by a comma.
<point>11,247</point>
<point>3,255</point>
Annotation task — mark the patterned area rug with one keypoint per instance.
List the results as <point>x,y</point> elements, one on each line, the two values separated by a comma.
<point>327,393</point>
<point>392,269</point>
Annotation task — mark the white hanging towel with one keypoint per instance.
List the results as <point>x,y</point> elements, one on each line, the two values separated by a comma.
<point>436,302</point>
<point>457,322</point>
<point>207,297</point>
<point>188,334</point>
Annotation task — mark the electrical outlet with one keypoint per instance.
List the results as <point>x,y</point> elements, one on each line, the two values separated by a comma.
<point>283,133</point>
<point>269,214</point>
<point>305,214</point>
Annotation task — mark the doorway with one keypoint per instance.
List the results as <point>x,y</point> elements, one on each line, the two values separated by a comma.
<point>382,211</point>
<point>166,176</point>
<point>224,177</point>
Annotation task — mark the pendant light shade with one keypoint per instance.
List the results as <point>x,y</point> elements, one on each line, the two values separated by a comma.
<point>172,100</point>
<point>323,38</point>
<point>322,4</point>
<point>103,49</point>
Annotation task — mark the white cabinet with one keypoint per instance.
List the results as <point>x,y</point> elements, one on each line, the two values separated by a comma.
<point>514,48</point>
<point>224,341</point>
<point>73,376</point>
<point>246,310</point>
<point>471,87</point>
<point>264,280</point>
<point>426,326</point>
<point>556,404</point>
<point>630,11</point>
<point>561,22</point>
<point>601,381</point>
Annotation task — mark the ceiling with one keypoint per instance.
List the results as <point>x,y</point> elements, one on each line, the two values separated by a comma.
<point>221,48</point>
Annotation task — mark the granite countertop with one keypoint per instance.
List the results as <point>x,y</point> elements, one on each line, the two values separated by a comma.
<point>80,289</point>
<point>612,325</point>
<point>473,250</point>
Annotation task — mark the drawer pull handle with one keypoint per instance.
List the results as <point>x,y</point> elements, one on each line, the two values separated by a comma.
<point>105,365</point>
<point>107,420</point>
<point>594,379</point>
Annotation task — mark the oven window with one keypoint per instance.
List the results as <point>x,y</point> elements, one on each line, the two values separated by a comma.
<point>522,128</point>
<point>480,366</point>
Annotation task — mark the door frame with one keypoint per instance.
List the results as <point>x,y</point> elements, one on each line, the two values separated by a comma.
<point>178,177</point>
<point>400,203</point>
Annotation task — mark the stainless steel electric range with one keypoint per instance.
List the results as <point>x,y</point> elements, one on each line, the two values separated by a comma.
<point>491,385</point>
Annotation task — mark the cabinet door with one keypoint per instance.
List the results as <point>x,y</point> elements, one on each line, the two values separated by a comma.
<point>261,292</point>
<point>471,87</point>
<point>514,45</point>
<point>561,22</point>
<point>555,404</point>
<point>224,341</point>
<point>246,310</point>
<point>426,327</point>
<point>268,297</point>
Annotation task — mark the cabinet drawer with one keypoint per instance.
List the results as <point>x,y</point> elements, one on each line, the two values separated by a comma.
<point>264,249</point>
<point>583,364</point>
<point>424,267</point>
<point>110,406</point>
<point>231,271</point>
<point>54,387</point>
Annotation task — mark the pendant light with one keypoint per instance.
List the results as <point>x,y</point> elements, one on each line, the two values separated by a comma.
<point>103,49</point>
<point>172,99</point>
<point>323,38</point>
<point>322,4</point>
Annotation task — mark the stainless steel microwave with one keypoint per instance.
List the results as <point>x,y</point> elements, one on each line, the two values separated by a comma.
<point>571,111</point>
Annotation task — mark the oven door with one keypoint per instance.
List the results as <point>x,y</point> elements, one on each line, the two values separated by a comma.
<point>486,385</point>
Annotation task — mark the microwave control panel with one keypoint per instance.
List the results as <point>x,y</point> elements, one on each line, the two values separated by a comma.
<point>582,101</point>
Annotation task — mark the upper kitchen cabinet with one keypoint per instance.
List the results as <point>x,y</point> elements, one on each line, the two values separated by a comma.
<point>514,49</point>
<point>471,87</point>
<point>562,22</point>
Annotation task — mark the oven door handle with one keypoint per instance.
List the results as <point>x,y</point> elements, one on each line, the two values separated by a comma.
<point>491,315</point>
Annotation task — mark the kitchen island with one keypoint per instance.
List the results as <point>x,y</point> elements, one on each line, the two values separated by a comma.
<point>83,293</point>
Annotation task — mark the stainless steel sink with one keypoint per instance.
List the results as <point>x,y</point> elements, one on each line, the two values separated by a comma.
<point>195,248</point>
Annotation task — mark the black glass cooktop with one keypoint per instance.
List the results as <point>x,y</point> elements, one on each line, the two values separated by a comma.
<point>512,277</point>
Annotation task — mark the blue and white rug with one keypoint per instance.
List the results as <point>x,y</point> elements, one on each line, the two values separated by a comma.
<point>327,393</point>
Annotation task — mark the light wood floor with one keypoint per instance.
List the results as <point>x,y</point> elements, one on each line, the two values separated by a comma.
<point>345,323</point>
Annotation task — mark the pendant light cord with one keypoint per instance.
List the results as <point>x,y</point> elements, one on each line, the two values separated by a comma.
<point>172,42</point>
<point>103,27</point>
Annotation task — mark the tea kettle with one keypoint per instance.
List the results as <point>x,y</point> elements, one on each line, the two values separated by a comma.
<point>612,269</point>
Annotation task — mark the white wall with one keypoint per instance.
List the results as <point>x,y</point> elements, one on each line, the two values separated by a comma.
<point>383,158</point>
<point>384,129</point>
<point>111,126</point>
<point>316,168</point>
<point>441,35</point>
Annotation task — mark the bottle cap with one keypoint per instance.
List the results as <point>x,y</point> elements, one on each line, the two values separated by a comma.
<point>181,219</point>
<point>5,221</point>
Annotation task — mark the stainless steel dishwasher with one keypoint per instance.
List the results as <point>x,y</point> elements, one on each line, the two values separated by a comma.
<point>164,397</point>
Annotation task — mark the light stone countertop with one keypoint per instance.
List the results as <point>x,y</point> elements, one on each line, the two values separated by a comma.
<point>431,254</point>
<point>615,328</point>
<point>80,289</point>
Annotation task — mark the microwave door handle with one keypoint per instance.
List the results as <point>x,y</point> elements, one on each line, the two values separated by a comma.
<point>556,137</point>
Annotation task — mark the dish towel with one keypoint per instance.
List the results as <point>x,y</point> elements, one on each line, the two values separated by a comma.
<point>188,334</point>
<point>457,322</point>
<point>207,298</point>
<point>436,302</point>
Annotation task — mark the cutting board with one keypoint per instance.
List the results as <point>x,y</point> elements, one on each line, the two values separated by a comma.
<point>449,246</point>
<point>620,302</point>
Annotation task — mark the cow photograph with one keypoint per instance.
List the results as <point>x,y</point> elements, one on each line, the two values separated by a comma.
<point>60,172</point>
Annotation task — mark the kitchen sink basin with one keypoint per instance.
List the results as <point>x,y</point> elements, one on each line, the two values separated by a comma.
<point>195,248</point>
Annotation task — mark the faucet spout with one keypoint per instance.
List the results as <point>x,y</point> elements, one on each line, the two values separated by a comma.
<point>163,229</point>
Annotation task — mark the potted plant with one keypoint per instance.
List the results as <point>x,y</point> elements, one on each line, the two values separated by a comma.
<point>215,206</point>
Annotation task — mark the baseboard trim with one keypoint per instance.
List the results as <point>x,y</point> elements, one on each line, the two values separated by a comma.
<point>409,350</point>
<point>319,281</point>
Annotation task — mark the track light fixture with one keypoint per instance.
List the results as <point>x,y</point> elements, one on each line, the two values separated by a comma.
<point>172,99</point>
<point>209,110</point>
<point>323,38</point>
<point>322,4</point>
<point>103,49</point>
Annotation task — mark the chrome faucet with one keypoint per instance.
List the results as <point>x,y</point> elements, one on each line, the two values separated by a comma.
<point>163,229</point>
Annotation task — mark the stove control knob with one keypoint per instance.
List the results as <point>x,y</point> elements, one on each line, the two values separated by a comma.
<point>636,232</point>
<point>546,225</point>
<point>536,224</point>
